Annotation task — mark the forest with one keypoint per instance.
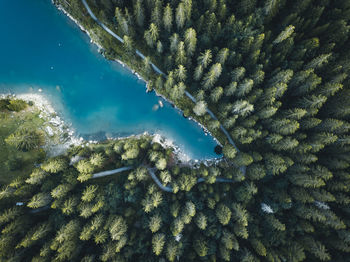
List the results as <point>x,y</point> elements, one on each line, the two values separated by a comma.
<point>276,75</point>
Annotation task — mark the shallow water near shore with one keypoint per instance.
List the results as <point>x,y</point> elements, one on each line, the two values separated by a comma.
<point>43,51</point>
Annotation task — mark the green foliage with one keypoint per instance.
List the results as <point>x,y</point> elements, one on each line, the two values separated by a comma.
<point>287,32</point>
<point>55,165</point>
<point>25,139</point>
<point>85,167</point>
<point>118,228</point>
<point>89,193</point>
<point>36,177</point>
<point>223,213</point>
<point>97,160</point>
<point>155,223</point>
<point>16,105</point>
<point>158,242</point>
<point>39,200</point>
<point>201,221</point>
<point>201,247</point>
<point>200,108</point>
<point>274,73</point>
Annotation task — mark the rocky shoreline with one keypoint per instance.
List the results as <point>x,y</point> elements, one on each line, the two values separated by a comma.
<point>55,126</point>
<point>100,47</point>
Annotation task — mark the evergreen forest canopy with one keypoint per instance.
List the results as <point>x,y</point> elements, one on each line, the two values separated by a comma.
<point>275,73</point>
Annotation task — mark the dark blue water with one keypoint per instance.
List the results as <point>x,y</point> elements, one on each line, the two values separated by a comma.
<point>41,48</point>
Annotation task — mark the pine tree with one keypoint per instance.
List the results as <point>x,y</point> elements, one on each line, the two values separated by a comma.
<point>171,250</point>
<point>231,89</point>
<point>177,226</point>
<point>287,32</point>
<point>89,193</point>
<point>155,223</point>
<point>259,247</point>
<point>255,171</point>
<point>69,205</point>
<point>205,58</point>
<point>244,87</point>
<point>97,159</point>
<point>243,159</point>
<point>168,18</point>
<point>229,240</point>
<point>198,73</point>
<point>158,241</point>
<point>222,55</point>
<point>180,15</point>
<point>242,108</point>
<point>151,35</point>
<point>156,15</point>
<point>180,73</point>
<point>25,139</point>
<point>190,40</point>
<point>200,108</point>
<point>274,223</point>
<point>60,191</point>
<point>161,164</point>
<point>223,213</point>
<point>318,61</point>
<point>174,42</point>
<point>216,94</point>
<point>139,13</point>
<point>85,167</point>
<point>316,248</point>
<point>101,237</point>
<point>201,221</point>
<point>240,214</point>
<point>118,228</point>
<point>200,246</point>
<point>36,177</point>
<point>180,54</point>
<point>122,22</point>
<point>39,200</point>
<point>229,151</point>
<point>211,77</point>
<point>9,214</point>
<point>54,165</point>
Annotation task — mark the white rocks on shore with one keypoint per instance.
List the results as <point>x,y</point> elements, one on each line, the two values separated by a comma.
<point>53,126</point>
<point>48,113</point>
<point>49,131</point>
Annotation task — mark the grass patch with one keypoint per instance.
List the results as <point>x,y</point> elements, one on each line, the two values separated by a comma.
<point>15,163</point>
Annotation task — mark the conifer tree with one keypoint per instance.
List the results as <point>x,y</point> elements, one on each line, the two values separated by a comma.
<point>151,35</point>
<point>168,17</point>
<point>180,15</point>
<point>158,242</point>
<point>223,213</point>
<point>287,32</point>
<point>190,40</point>
<point>139,13</point>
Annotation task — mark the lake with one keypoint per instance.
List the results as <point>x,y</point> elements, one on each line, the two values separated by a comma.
<point>41,48</point>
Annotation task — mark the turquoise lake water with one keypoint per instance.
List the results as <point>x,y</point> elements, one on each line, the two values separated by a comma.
<point>41,48</point>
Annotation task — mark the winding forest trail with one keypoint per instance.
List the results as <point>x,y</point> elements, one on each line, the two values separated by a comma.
<point>151,172</point>
<point>157,70</point>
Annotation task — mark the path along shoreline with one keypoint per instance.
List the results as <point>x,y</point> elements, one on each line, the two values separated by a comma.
<point>165,142</point>
<point>157,70</point>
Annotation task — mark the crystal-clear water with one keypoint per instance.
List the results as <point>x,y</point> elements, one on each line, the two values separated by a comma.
<point>41,48</point>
